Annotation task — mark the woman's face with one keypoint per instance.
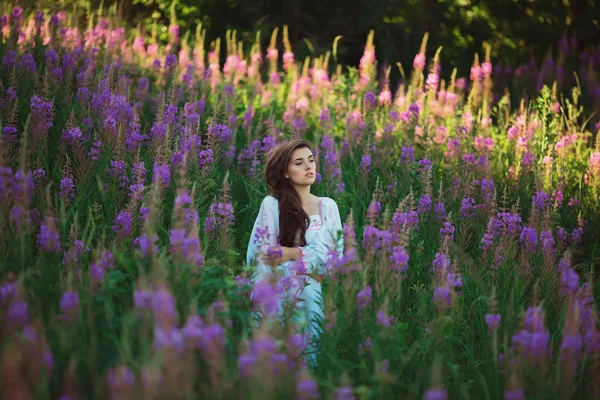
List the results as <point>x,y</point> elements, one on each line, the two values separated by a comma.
<point>302,169</point>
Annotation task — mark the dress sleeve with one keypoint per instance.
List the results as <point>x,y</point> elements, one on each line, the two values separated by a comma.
<point>265,231</point>
<point>327,245</point>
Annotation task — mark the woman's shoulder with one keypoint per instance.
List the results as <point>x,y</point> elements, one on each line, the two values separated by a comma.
<point>270,201</point>
<point>329,203</point>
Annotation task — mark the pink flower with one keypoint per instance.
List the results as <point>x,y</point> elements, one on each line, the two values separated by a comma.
<point>419,62</point>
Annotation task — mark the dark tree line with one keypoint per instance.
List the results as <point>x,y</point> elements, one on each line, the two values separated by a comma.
<point>516,30</point>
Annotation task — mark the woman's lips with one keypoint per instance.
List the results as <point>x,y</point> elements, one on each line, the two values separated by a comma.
<point>309,174</point>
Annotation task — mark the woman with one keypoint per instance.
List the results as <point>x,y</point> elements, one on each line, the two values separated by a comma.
<point>296,232</point>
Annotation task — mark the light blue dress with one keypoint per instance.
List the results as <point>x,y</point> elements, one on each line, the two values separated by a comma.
<point>323,236</point>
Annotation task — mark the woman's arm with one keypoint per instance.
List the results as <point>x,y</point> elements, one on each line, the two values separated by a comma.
<point>328,245</point>
<point>265,230</point>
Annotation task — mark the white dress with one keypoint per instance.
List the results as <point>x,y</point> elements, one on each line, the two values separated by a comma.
<point>324,239</point>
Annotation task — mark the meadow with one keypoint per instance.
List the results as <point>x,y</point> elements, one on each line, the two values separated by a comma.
<point>131,175</point>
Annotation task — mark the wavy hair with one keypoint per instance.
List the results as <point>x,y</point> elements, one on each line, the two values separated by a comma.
<point>293,220</point>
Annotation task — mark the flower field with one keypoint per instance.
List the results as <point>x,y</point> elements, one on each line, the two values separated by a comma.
<point>131,175</point>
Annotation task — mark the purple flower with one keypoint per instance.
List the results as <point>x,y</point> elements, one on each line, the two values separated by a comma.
<point>344,393</point>
<point>374,209</point>
<point>435,394</point>
<point>455,280</point>
<point>405,220</point>
<point>69,304</point>
<point>120,378</point>
<point>442,297</point>
<point>399,259</point>
<point>123,224</point>
<point>164,306</point>
<point>118,171</point>
<point>364,298</point>
<point>162,175</point>
<point>407,155</point>
<point>576,235</point>
<point>265,295</point>
<point>514,394</point>
<point>424,204</point>
<point>18,313</point>
<point>369,100</point>
<point>48,238</point>
<point>441,263</point>
<point>383,319</point>
<point>467,209</point>
<point>529,239</point>
<point>365,163</point>
<point>547,242</point>
<point>440,211</point>
<point>447,231</point>
<point>307,388</point>
<point>67,189</point>
<point>492,321</point>
<point>569,282</point>
<point>146,244</point>
<point>540,201</point>
<point>487,190</point>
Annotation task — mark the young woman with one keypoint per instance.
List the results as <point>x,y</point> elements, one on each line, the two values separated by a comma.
<point>296,232</point>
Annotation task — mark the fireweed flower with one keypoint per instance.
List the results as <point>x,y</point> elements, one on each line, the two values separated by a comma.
<point>147,245</point>
<point>435,394</point>
<point>540,201</point>
<point>220,216</point>
<point>67,189</point>
<point>419,62</point>
<point>487,190</point>
<point>265,296</point>
<point>118,172</point>
<point>168,338</point>
<point>548,243</point>
<point>205,160</point>
<point>383,319</point>
<point>399,259</point>
<point>514,394</point>
<point>17,313</point>
<point>441,264</point>
<point>432,82</point>
<point>364,298</point>
<point>405,220</point>
<point>424,167</point>
<point>442,297</point>
<point>529,239</point>
<point>492,321</point>
<point>120,379</point>
<point>369,100</point>
<point>69,304</point>
<point>365,164</point>
<point>447,231</point>
<point>48,238</point>
<point>440,211</point>
<point>407,155</point>
<point>533,341</point>
<point>307,388</point>
<point>75,252</point>
<point>8,291</point>
<point>123,223</point>
<point>161,175</point>
<point>374,209</point>
<point>576,235</point>
<point>344,393</point>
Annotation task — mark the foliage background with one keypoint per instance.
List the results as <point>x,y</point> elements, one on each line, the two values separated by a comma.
<point>516,30</point>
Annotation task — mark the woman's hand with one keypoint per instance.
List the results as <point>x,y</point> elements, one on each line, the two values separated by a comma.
<point>277,255</point>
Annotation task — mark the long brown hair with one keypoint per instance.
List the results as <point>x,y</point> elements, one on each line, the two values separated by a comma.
<point>293,220</point>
